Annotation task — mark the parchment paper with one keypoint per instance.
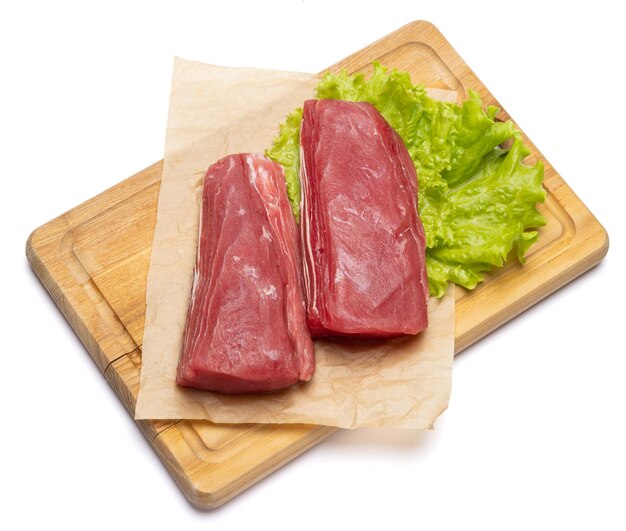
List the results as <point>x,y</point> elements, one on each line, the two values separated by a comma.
<point>403,382</point>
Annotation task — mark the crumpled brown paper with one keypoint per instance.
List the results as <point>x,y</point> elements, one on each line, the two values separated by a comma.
<point>403,382</point>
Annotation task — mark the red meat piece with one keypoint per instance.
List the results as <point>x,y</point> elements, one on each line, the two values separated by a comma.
<point>362,240</point>
<point>246,326</point>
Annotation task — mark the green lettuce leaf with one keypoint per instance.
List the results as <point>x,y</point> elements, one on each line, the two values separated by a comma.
<point>477,200</point>
<point>286,151</point>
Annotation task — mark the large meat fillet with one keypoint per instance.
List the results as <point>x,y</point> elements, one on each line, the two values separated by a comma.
<point>246,324</point>
<point>362,240</point>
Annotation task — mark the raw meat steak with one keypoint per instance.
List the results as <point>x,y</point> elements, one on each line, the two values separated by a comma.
<point>362,240</point>
<point>246,323</point>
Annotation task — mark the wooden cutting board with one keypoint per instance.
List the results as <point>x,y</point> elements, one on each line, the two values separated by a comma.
<point>94,259</point>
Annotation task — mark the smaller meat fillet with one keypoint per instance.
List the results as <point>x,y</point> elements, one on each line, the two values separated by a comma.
<point>362,240</point>
<point>246,323</point>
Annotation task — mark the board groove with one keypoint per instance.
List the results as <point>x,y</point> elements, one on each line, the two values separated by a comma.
<point>93,260</point>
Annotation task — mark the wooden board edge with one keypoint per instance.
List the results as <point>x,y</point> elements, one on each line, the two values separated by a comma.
<point>43,252</point>
<point>204,492</point>
<point>403,33</point>
<point>42,265</point>
<point>116,375</point>
<point>595,249</point>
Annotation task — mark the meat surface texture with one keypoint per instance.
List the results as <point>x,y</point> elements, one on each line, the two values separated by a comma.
<point>362,240</point>
<point>246,323</point>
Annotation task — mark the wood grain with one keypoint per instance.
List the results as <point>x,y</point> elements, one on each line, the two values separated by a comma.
<point>93,261</point>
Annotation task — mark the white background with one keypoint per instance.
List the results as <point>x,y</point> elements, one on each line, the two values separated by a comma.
<point>534,437</point>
